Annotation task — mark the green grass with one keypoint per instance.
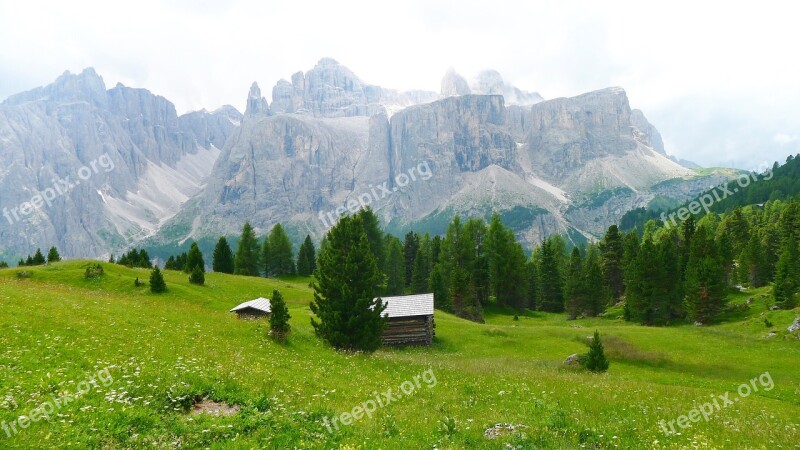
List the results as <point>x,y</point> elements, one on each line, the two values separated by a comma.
<point>163,351</point>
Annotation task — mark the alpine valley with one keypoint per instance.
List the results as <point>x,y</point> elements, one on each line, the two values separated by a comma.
<point>323,141</point>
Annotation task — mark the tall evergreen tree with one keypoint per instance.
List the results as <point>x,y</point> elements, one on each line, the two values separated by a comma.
<point>279,317</point>
<point>597,290</point>
<point>247,253</point>
<point>281,255</point>
<point>372,228</point>
<point>395,268</point>
<point>458,254</point>
<point>612,251</point>
<point>197,276</point>
<point>420,273</point>
<point>439,286</point>
<point>705,279</point>
<point>575,286</point>
<point>223,257</point>
<point>347,282</point>
<point>306,257</point>
<point>194,259</point>
<point>551,286</point>
<point>642,285</point>
<point>596,360</point>
<point>266,257</point>
<point>478,268</point>
<point>410,250</point>
<point>787,275</point>
<point>53,256</point>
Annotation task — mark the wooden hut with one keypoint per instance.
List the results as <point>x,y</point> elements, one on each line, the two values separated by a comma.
<point>253,309</point>
<point>410,320</point>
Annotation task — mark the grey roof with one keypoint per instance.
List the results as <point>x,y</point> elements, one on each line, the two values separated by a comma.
<point>261,304</point>
<point>408,305</point>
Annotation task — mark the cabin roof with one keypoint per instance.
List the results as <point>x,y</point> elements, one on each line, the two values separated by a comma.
<point>408,305</point>
<point>261,304</point>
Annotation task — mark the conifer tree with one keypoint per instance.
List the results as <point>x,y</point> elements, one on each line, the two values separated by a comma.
<point>38,258</point>
<point>439,286</point>
<point>157,284</point>
<point>612,251</point>
<point>787,275</point>
<point>266,258</point>
<point>575,287</point>
<point>410,250</point>
<point>705,279</point>
<point>279,317</point>
<point>197,276</point>
<point>372,228</point>
<point>170,264</point>
<point>346,284</point>
<point>281,254</point>
<point>420,273</point>
<point>597,291</point>
<point>53,256</point>
<point>395,267</point>
<point>595,360</point>
<point>306,257</point>
<point>550,284</point>
<point>247,253</point>
<point>222,259</point>
<point>194,259</point>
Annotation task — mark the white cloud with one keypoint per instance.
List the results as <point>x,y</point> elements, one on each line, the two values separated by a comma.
<point>689,65</point>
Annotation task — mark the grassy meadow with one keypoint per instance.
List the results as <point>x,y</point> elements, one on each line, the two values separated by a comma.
<point>167,351</point>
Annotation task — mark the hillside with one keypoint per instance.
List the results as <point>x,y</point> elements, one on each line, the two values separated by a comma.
<point>165,351</point>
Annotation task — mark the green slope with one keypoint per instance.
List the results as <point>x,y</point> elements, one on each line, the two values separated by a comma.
<point>163,351</point>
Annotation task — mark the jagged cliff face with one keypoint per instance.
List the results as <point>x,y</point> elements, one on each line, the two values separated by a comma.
<point>90,170</point>
<point>328,143</point>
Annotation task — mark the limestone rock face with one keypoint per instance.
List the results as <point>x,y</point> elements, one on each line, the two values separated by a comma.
<point>129,159</point>
<point>646,133</point>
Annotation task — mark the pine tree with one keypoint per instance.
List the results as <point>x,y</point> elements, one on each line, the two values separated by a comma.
<point>612,251</point>
<point>29,261</point>
<point>372,228</point>
<point>194,259</point>
<point>575,287</point>
<point>21,263</point>
<point>347,282</point>
<point>281,255</point>
<point>170,264</point>
<point>266,257</point>
<point>508,276</point>
<point>458,257</point>
<point>705,279</point>
<point>551,292</point>
<point>306,258</point>
<point>439,287</point>
<point>787,275</point>
<point>597,292</point>
<point>475,229</point>
<point>246,261</point>
<point>420,273</point>
<point>222,257</point>
<point>641,285</point>
<point>279,317</point>
<point>53,256</point>
<point>595,360</point>
<point>395,267</point>
<point>410,250</point>
<point>157,284</point>
<point>198,276</point>
<point>38,258</point>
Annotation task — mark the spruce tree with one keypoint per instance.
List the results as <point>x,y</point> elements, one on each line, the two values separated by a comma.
<point>346,284</point>
<point>38,258</point>
<point>170,264</point>
<point>306,258</point>
<point>266,257</point>
<point>641,286</point>
<point>596,290</point>
<point>550,284</point>
<point>279,317</point>
<point>372,228</point>
<point>197,276</point>
<point>787,275</point>
<point>705,279</point>
<point>438,285</point>
<point>420,273</point>
<point>246,261</point>
<point>29,261</point>
<point>157,284</point>
<point>395,267</point>
<point>508,276</point>
<point>612,251</point>
<point>194,259</point>
<point>410,250</point>
<point>575,287</point>
<point>281,255</point>
<point>595,360</point>
<point>222,257</point>
<point>53,256</point>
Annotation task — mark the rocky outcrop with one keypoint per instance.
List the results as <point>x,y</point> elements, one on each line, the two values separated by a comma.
<point>256,104</point>
<point>645,132</point>
<point>454,84</point>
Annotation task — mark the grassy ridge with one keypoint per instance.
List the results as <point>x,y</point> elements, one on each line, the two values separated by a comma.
<point>163,351</point>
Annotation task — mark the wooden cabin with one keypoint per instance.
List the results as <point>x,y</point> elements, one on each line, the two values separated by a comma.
<point>253,309</point>
<point>410,320</point>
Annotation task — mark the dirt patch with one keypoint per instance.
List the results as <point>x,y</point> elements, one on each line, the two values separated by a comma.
<point>206,406</point>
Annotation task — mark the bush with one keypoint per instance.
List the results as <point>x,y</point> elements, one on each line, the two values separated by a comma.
<point>24,274</point>
<point>595,360</point>
<point>95,271</point>
<point>767,323</point>
<point>137,283</point>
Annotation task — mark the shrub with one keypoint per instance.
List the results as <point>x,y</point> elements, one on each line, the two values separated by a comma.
<point>767,323</point>
<point>95,271</point>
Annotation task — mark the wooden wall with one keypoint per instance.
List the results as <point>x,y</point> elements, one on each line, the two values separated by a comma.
<point>416,330</point>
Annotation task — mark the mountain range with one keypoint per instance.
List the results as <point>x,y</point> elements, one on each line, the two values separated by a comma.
<point>130,170</point>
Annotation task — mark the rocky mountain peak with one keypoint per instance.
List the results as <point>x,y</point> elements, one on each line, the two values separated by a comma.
<point>489,82</point>
<point>454,84</point>
<point>256,104</point>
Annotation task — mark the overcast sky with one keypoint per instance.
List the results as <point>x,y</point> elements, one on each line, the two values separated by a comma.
<point>721,83</point>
